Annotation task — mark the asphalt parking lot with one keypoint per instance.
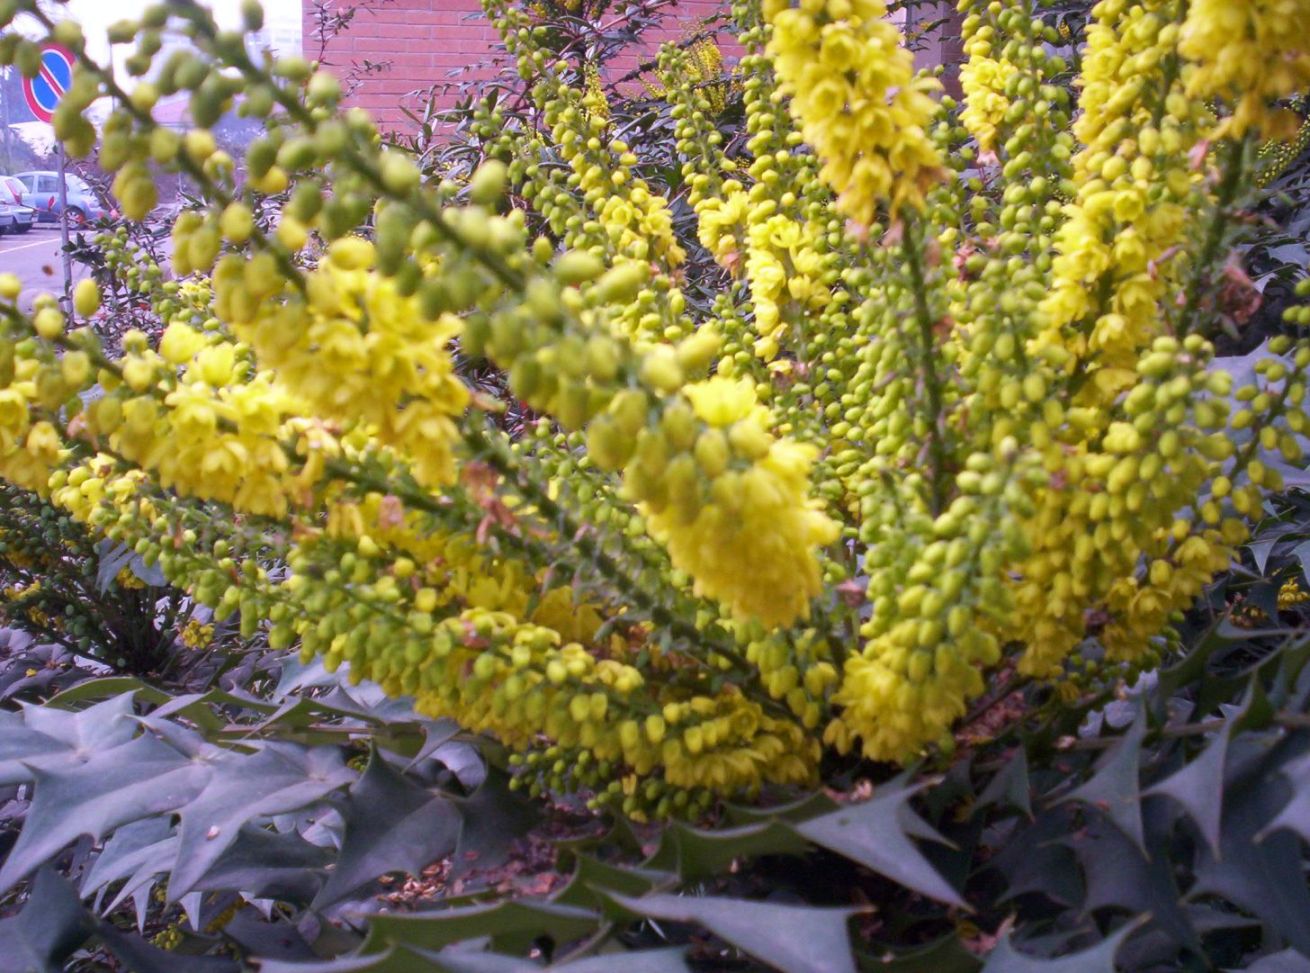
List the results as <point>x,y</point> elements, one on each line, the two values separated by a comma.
<point>34,257</point>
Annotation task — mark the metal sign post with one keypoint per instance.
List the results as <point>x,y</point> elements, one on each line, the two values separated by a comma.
<point>43,94</point>
<point>63,228</point>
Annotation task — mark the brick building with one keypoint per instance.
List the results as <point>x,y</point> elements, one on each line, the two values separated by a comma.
<point>419,43</point>
<point>415,44</point>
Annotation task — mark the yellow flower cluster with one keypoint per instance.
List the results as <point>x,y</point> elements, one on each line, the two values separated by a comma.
<point>730,502</point>
<point>355,349</point>
<point>636,220</point>
<point>1291,594</point>
<point>196,634</point>
<point>983,81</point>
<point>694,525</point>
<point>858,101</point>
<point>1251,53</point>
<point>1118,247</point>
<point>721,224</point>
<point>783,268</point>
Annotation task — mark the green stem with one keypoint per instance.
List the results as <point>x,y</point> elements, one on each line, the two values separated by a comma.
<point>932,380</point>
<point>1214,236</point>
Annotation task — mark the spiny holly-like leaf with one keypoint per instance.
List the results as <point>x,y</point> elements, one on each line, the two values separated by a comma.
<point>436,734</point>
<point>1010,785</point>
<point>1198,787</point>
<point>637,961</point>
<point>1265,877</point>
<point>592,878</point>
<point>1115,787</point>
<point>124,851</point>
<point>276,779</point>
<point>877,834</point>
<point>1098,959</point>
<point>946,955</point>
<point>794,939</point>
<point>511,925</point>
<point>1118,876</point>
<point>1192,667</point>
<point>51,925</point>
<point>138,956</point>
<point>695,853</point>
<point>113,558</point>
<point>391,825</point>
<point>128,687</point>
<point>1295,815</point>
<point>645,961</point>
<point>134,780</point>
<point>266,865</point>
<point>45,738</point>
<point>1038,859</point>
<point>491,819</point>
<point>1288,961</point>
<point>148,865</point>
<point>396,959</point>
<point>477,961</point>
<point>802,809</point>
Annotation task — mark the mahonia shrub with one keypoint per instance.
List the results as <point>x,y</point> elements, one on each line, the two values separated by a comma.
<point>956,410</point>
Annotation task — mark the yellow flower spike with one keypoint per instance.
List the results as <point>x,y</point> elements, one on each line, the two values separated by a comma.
<point>1251,53</point>
<point>858,101</point>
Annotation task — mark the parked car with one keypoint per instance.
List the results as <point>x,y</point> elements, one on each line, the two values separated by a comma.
<point>13,202</point>
<point>43,194</point>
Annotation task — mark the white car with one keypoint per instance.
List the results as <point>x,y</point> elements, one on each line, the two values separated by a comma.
<point>16,216</point>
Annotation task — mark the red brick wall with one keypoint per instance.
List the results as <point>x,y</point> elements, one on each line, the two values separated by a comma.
<point>425,40</point>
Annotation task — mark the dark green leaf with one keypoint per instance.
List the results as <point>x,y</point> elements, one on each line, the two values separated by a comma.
<point>591,878</point>
<point>1302,554</point>
<point>1098,959</point>
<point>946,955</point>
<point>512,925</point>
<point>435,734</point>
<point>1295,815</point>
<point>1118,876</point>
<point>1288,961</point>
<point>491,819</point>
<point>1199,786</point>
<point>1038,860</point>
<point>801,809</point>
<point>794,939</point>
<point>51,925</point>
<point>1265,877</point>
<point>113,558</point>
<point>118,686</point>
<point>123,853</point>
<point>637,961</point>
<point>48,738</point>
<point>273,937</point>
<point>1115,787</point>
<point>267,865</point>
<point>396,959</point>
<point>1010,786</point>
<point>877,834</point>
<point>276,779</point>
<point>694,853</point>
<point>133,780</point>
<point>138,956</point>
<point>390,825</point>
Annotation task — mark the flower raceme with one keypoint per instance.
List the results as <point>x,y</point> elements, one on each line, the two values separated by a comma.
<point>857,99</point>
<point>944,397</point>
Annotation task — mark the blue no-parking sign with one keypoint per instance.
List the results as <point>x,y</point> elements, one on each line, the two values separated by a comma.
<point>45,90</point>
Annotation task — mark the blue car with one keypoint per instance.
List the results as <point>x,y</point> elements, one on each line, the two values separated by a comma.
<point>43,196</point>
